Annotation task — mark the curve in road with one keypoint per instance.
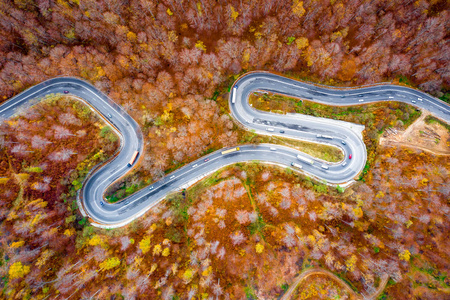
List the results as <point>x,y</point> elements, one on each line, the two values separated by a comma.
<point>295,126</point>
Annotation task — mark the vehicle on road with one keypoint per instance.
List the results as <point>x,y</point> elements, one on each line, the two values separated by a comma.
<point>324,167</point>
<point>273,149</point>
<point>101,203</point>
<point>270,129</point>
<point>296,165</point>
<point>194,166</point>
<point>413,101</point>
<point>342,96</point>
<point>230,150</point>
<point>281,131</point>
<point>172,177</point>
<point>109,116</point>
<point>344,164</point>
<point>420,99</point>
<point>233,97</point>
<point>343,143</point>
<point>324,136</point>
<point>360,95</point>
<point>206,159</point>
<point>361,100</point>
<point>66,92</point>
<point>150,188</point>
<point>390,97</point>
<point>350,156</point>
<point>305,159</point>
<point>133,158</point>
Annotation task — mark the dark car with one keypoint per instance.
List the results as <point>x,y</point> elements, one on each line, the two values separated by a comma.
<point>281,131</point>
<point>66,92</point>
<point>101,203</point>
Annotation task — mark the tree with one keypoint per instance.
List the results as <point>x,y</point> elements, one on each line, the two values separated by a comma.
<point>237,238</point>
<point>217,289</point>
<point>242,217</point>
<point>69,118</point>
<point>18,270</point>
<point>61,132</point>
<point>59,156</point>
<point>110,263</point>
<point>145,244</point>
<point>38,142</point>
<point>40,186</point>
<point>20,150</point>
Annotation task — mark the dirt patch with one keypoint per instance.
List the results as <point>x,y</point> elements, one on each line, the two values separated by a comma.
<point>431,137</point>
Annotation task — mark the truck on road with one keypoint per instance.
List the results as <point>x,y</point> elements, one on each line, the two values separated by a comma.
<point>324,136</point>
<point>133,158</point>
<point>230,150</point>
<point>304,159</point>
<point>233,97</point>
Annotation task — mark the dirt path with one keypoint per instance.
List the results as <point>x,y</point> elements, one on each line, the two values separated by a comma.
<point>319,271</point>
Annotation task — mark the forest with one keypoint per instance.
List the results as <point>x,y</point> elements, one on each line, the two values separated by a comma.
<point>170,64</point>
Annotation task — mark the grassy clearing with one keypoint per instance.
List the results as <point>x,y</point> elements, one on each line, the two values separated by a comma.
<point>321,151</point>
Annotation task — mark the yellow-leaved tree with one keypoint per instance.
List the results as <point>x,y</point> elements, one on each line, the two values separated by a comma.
<point>17,270</point>
<point>110,263</point>
<point>259,248</point>
<point>145,245</point>
<point>96,240</point>
<point>404,255</point>
<point>234,13</point>
<point>297,8</point>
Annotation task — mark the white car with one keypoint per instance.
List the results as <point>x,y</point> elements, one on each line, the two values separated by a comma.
<point>344,164</point>
<point>361,100</point>
<point>273,149</point>
<point>270,129</point>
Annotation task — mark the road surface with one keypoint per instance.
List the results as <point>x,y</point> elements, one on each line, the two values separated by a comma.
<point>103,214</point>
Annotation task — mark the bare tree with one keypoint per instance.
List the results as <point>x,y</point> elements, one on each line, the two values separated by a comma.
<point>61,132</point>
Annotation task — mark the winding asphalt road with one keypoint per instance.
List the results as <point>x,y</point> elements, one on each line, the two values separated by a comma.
<point>302,127</point>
